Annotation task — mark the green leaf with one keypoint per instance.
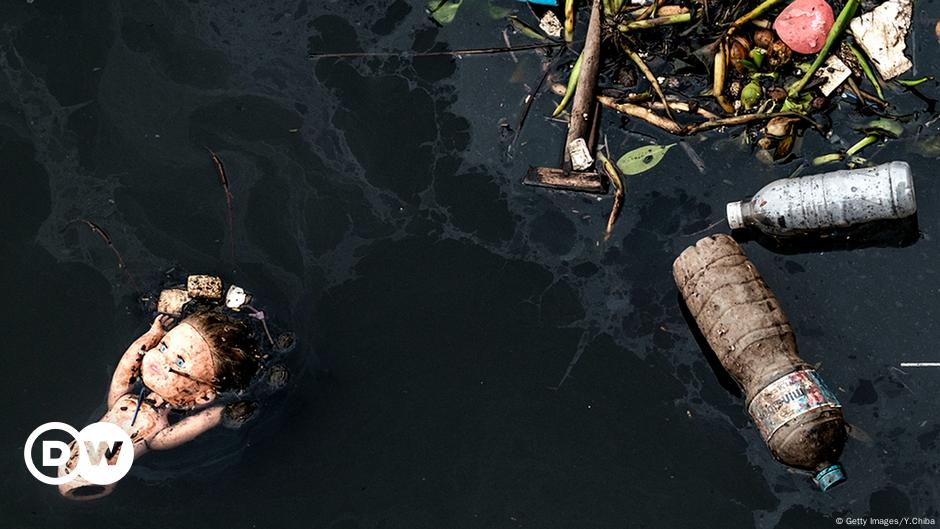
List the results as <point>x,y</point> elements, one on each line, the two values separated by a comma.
<point>572,83</point>
<point>443,12</point>
<point>642,159</point>
<point>526,29</point>
<point>911,83</point>
<point>498,12</point>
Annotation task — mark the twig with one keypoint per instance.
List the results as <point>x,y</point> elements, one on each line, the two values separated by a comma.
<point>682,107</point>
<point>98,230</point>
<point>642,113</point>
<point>745,119</point>
<point>614,175</point>
<point>863,95</point>
<point>512,54</point>
<point>223,179</point>
<point>635,57</point>
<point>442,53</point>
<point>531,99</point>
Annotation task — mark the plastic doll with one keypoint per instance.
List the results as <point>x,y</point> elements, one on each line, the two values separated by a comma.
<point>182,371</point>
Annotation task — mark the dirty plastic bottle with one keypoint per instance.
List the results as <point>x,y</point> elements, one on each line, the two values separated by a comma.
<point>798,416</point>
<point>831,200</point>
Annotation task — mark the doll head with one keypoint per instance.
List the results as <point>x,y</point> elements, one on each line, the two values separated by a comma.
<point>205,353</point>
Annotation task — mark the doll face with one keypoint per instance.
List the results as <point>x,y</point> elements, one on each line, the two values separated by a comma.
<point>180,368</point>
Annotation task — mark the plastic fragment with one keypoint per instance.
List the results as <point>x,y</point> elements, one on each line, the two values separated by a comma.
<point>804,25</point>
<point>836,72</point>
<point>551,25</point>
<point>581,158</point>
<point>881,33</point>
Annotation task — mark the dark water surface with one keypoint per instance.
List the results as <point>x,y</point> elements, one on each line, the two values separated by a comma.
<point>438,303</point>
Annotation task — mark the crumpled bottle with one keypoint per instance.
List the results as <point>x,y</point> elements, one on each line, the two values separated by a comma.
<point>799,418</point>
<point>839,199</point>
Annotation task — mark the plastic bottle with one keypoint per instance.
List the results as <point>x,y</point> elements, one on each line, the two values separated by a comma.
<point>831,200</point>
<point>798,417</point>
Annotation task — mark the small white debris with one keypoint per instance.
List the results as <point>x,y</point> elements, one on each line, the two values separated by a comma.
<point>551,25</point>
<point>836,72</point>
<point>581,158</point>
<point>235,297</point>
<point>881,33</point>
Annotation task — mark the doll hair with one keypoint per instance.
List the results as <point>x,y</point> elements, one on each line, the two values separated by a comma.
<point>233,346</point>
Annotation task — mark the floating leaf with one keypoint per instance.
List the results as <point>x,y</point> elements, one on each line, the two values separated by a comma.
<point>498,12</point>
<point>885,127</point>
<point>572,84</point>
<point>526,29</point>
<point>642,159</point>
<point>443,12</point>
<point>911,83</point>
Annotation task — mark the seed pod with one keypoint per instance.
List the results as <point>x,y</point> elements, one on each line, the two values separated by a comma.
<point>751,94</point>
<point>738,49</point>
<point>764,38</point>
<point>779,54</point>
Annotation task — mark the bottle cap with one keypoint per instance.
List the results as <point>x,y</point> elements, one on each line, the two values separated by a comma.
<point>735,215</point>
<point>829,477</point>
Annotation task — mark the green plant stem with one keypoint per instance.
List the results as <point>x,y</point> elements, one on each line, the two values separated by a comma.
<point>866,69</point>
<point>828,158</point>
<point>754,13</point>
<point>861,144</point>
<point>572,85</point>
<point>655,22</point>
<point>569,20</point>
<point>834,33</point>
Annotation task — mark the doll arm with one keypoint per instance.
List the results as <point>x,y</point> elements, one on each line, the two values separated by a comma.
<point>128,369</point>
<point>187,429</point>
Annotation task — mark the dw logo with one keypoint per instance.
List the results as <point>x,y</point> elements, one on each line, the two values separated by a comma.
<point>105,453</point>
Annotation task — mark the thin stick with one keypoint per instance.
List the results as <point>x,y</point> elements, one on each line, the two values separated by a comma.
<point>682,107</point>
<point>745,119</point>
<point>641,64</point>
<point>98,230</point>
<point>642,113</point>
<point>530,100</point>
<point>223,179</point>
<point>863,95</point>
<point>443,53</point>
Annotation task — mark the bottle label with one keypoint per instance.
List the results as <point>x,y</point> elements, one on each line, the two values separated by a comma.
<point>787,398</point>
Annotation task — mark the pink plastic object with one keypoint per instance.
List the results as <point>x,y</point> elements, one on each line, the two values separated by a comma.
<point>804,25</point>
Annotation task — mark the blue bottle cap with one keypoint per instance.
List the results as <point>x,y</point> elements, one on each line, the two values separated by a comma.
<point>829,477</point>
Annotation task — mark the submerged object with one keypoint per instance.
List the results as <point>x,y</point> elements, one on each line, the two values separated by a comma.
<point>838,199</point>
<point>797,415</point>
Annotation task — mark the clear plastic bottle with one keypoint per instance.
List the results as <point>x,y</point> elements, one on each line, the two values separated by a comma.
<point>798,417</point>
<point>839,199</point>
